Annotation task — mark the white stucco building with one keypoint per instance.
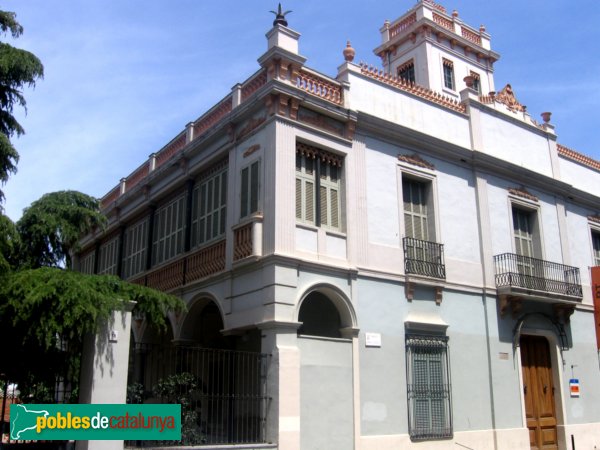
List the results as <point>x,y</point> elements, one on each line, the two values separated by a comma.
<point>404,253</point>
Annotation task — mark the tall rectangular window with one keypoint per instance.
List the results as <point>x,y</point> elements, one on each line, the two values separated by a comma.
<point>318,187</point>
<point>476,82</point>
<point>418,210</point>
<point>596,247</point>
<point>406,71</point>
<point>524,232</point>
<point>134,248</point>
<point>86,263</point>
<point>107,263</point>
<point>250,186</point>
<point>448,73</point>
<point>428,386</point>
<point>168,235</point>
<point>209,206</point>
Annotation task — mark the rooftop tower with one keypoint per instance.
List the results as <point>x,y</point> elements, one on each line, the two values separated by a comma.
<point>437,50</point>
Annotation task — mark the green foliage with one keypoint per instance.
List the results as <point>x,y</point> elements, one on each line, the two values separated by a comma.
<point>8,22</point>
<point>9,157</point>
<point>52,225</point>
<point>9,244</point>
<point>18,69</point>
<point>135,393</point>
<point>181,388</point>
<point>49,304</point>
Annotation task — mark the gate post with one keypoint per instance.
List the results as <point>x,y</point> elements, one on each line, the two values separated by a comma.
<point>104,367</point>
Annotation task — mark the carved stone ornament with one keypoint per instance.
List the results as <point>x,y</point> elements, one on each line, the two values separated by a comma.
<point>251,149</point>
<point>523,193</point>
<point>507,97</point>
<point>416,160</point>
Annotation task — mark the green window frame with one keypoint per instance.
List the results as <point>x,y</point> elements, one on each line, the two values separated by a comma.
<point>250,189</point>
<point>108,257</point>
<point>135,248</point>
<point>428,387</point>
<point>318,187</point>
<point>209,207</point>
<point>168,235</point>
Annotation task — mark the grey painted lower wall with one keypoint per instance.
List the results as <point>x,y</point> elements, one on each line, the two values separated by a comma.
<point>485,367</point>
<point>326,394</point>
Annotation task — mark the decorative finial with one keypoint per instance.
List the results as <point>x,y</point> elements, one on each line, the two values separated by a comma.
<point>349,52</point>
<point>455,14</point>
<point>482,28</point>
<point>280,16</point>
<point>546,116</point>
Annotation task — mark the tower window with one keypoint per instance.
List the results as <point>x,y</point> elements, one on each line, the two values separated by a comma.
<point>448,74</point>
<point>476,82</point>
<point>406,71</point>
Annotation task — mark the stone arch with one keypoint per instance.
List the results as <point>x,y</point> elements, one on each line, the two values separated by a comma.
<point>145,333</point>
<point>325,311</point>
<point>203,323</point>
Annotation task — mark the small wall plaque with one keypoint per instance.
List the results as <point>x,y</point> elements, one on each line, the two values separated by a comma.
<point>372,339</point>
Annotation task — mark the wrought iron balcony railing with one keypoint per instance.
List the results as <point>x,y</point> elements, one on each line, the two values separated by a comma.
<point>424,258</point>
<point>517,271</point>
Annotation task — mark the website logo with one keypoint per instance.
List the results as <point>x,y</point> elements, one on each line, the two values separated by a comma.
<point>95,422</point>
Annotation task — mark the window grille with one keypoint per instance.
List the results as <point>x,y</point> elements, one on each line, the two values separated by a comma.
<point>250,189</point>
<point>168,233</point>
<point>108,257</point>
<point>429,389</point>
<point>209,207</point>
<point>318,187</point>
<point>448,73</point>
<point>134,248</point>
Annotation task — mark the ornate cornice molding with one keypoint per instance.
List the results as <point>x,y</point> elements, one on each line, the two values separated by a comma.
<point>416,160</point>
<point>523,193</point>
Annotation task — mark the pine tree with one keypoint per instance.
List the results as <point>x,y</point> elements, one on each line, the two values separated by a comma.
<point>18,69</point>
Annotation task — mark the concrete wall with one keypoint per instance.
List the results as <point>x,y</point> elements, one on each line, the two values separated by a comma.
<point>326,394</point>
<point>385,102</point>
<point>512,141</point>
<point>484,373</point>
<point>580,176</point>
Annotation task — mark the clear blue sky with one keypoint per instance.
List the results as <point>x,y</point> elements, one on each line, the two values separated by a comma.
<point>124,77</point>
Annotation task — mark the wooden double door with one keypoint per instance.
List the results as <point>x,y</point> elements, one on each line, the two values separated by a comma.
<point>538,387</point>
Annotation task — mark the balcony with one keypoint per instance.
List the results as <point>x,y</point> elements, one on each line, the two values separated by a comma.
<point>424,258</point>
<point>532,278</point>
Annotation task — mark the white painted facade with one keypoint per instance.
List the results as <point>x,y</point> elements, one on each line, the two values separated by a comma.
<point>480,157</point>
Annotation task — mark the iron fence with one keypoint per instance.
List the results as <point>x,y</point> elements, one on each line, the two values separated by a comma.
<point>424,258</point>
<point>60,391</point>
<point>222,392</point>
<point>514,270</point>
